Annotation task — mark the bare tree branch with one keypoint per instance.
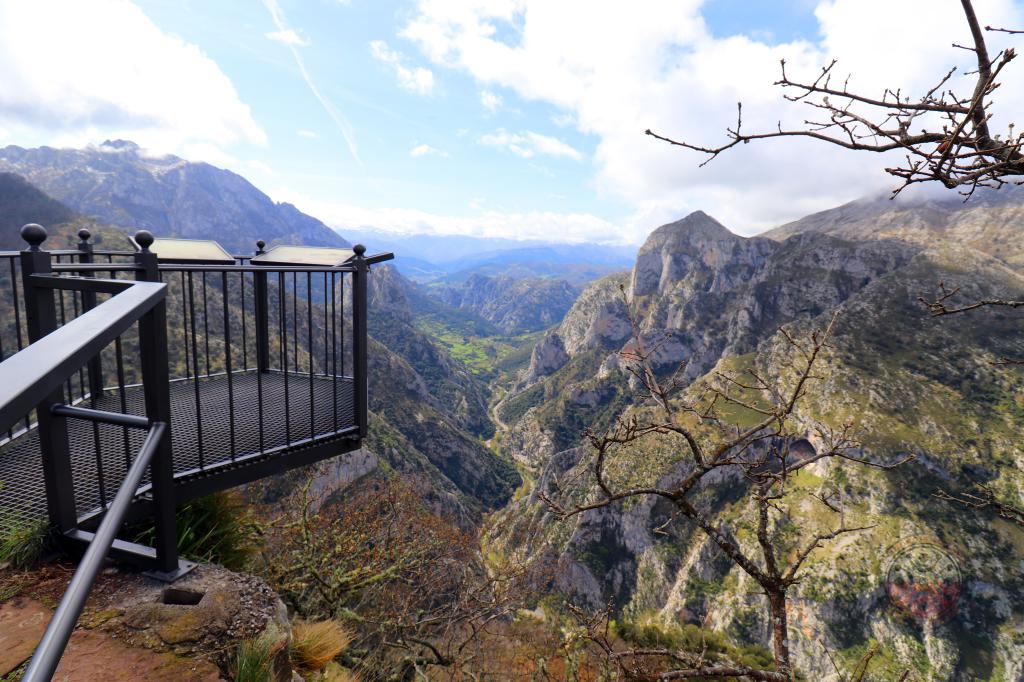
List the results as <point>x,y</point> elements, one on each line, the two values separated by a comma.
<point>962,153</point>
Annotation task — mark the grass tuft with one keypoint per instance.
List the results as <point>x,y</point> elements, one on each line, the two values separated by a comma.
<point>314,645</point>
<point>22,542</point>
<point>219,528</point>
<point>254,661</point>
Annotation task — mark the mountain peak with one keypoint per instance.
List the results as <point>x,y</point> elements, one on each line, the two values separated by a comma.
<point>695,229</point>
<point>119,145</point>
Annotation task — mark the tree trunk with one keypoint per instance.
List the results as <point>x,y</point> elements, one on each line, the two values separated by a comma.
<point>780,631</point>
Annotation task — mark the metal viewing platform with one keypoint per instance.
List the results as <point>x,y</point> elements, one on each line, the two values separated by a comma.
<point>132,382</point>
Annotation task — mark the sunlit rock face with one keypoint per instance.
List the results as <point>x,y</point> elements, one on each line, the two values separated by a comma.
<point>911,384</point>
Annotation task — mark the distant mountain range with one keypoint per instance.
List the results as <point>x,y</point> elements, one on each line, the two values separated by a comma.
<point>117,183</point>
<point>453,259</point>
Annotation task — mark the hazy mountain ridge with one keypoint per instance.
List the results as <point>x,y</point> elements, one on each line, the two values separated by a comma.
<point>912,384</point>
<point>513,305</point>
<point>118,184</point>
<point>989,222</point>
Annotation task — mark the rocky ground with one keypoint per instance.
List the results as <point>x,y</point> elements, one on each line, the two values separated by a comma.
<point>136,628</point>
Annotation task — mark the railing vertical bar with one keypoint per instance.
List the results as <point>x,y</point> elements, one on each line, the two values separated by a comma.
<point>195,359</point>
<point>119,356</point>
<point>283,320</point>
<point>63,320</point>
<point>326,347</point>
<point>10,431</point>
<point>74,310</point>
<point>94,369</point>
<point>184,327</point>
<point>206,325</point>
<point>309,351</point>
<point>260,296</point>
<point>295,319</point>
<point>245,348</point>
<point>341,320</point>
<point>17,305</point>
<point>334,350</point>
<point>227,363</point>
<point>17,319</point>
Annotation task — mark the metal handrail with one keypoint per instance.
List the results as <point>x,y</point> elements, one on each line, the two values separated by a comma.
<point>51,647</point>
<point>33,372</point>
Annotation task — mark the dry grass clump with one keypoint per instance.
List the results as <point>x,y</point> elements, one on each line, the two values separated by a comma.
<point>314,645</point>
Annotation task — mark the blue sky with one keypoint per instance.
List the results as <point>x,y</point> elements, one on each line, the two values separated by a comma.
<point>503,117</point>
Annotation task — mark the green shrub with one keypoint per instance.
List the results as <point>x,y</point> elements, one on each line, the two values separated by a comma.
<point>218,528</point>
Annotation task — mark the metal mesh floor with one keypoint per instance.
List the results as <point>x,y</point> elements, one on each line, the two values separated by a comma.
<point>198,444</point>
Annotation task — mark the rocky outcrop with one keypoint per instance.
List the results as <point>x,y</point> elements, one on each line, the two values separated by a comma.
<point>134,627</point>
<point>911,384</point>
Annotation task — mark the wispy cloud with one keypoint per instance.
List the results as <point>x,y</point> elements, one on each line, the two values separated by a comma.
<point>426,150</point>
<point>528,144</point>
<point>490,100</point>
<point>288,37</point>
<point>417,79</point>
<point>302,132</point>
<point>344,127</point>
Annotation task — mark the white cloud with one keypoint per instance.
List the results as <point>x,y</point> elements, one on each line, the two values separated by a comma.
<point>546,225</point>
<point>426,150</point>
<point>418,79</point>
<point>288,36</point>
<point>309,134</point>
<point>84,71</point>
<point>490,100</point>
<point>529,144</point>
<point>340,120</point>
<point>653,64</point>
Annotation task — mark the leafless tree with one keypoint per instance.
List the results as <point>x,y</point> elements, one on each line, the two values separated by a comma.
<point>760,453</point>
<point>945,136</point>
<point>959,151</point>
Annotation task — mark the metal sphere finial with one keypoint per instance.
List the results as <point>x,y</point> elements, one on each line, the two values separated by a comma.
<point>33,234</point>
<point>144,238</point>
<point>84,234</point>
<point>259,246</point>
<point>359,250</point>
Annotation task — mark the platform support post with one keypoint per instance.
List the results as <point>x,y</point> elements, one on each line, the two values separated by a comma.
<point>262,322</point>
<point>41,319</point>
<point>359,338</point>
<point>156,386</point>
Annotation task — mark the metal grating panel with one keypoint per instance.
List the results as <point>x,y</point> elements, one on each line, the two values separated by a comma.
<point>22,489</point>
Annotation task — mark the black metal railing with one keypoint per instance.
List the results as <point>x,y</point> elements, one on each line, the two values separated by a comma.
<point>266,368</point>
<point>35,379</point>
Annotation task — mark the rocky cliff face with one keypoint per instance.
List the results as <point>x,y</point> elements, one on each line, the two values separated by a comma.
<point>912,384</point>
<point>118,184</point>
<point>514,305</point>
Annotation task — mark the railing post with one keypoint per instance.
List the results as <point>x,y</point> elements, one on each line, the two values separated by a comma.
<point>262,321</point>
<point>156,387</point>
<point>359,340</point>
<point>41,319</point>
<point>88,303</point>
